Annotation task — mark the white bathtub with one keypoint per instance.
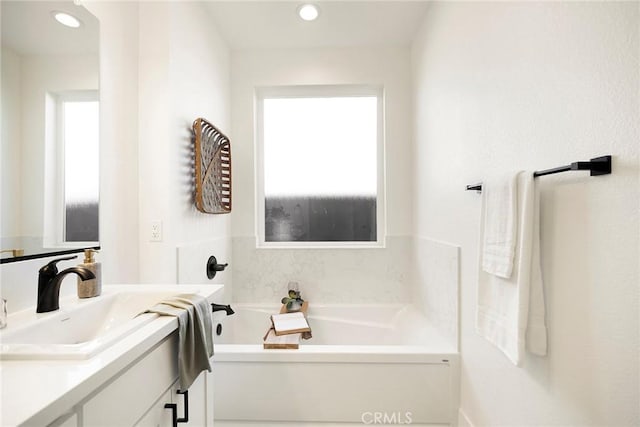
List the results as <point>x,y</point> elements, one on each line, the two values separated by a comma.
<point>365,363</point>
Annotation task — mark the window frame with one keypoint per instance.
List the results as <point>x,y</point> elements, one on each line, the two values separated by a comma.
<point>319,91</point>
<point>55,231</point>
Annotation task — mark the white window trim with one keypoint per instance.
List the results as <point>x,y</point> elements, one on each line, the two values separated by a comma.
<point>318,91</point>
<point>55,231</point>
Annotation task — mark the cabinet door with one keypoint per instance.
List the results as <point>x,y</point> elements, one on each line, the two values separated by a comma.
<point>198,403</point>
<point>158,415</point>
<point>129,396</point>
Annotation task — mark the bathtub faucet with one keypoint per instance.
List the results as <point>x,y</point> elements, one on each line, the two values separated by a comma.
<point>220,307</point>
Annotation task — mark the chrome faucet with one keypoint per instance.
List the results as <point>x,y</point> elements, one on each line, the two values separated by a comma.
<point>49,281</point>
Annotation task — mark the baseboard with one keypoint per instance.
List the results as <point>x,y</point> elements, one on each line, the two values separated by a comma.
<point>463,420</point>
<point>219,423</point>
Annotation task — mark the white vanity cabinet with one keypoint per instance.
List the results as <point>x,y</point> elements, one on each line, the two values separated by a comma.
<point>124,383</point>
<point>137,396</point>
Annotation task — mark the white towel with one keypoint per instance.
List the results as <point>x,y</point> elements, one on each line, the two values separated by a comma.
<point>511,312</point>
<point>499,206</point>
<point>195,334</point>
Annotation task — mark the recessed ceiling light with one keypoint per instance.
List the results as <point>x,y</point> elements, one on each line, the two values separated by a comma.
<point>66,19</point>
<point>308,12</point>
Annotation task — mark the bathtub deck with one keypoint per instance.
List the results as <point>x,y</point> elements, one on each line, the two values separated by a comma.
<point>333,353</point>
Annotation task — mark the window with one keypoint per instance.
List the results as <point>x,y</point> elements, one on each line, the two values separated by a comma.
<point>71,169</point>
<point>81,179</point>
<point>320,165</point>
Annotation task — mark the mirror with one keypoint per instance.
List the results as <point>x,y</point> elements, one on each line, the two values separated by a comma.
<point>50,144</point>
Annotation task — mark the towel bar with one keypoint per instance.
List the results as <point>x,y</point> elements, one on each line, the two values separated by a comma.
<point>597,166</point>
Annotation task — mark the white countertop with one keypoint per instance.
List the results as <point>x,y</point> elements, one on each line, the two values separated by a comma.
<point>36,392</point>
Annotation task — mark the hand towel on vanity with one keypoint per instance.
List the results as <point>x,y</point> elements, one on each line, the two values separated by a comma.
<point>511,312</point>
<point>195,337</point>
<point>499,211</point>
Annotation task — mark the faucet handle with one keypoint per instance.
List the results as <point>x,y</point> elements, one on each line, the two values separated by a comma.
<point>213,267</point>
<point>51,268</point>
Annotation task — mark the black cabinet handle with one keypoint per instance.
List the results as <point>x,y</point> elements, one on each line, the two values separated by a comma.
<point>174,409</point>
<point>185,419</point>
<point>174,413</point>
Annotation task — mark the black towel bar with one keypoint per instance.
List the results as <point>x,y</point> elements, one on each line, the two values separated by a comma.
<point>597,166</point>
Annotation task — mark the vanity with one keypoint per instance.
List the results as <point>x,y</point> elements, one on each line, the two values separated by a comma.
<point>122,372</point>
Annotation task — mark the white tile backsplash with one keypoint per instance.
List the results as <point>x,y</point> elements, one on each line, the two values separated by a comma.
<point>436,279</point>
<point>324,275</point>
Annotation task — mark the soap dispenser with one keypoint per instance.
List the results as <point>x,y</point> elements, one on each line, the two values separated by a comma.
<point>92,287</point>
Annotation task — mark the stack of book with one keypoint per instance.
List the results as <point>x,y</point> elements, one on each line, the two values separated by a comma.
<point>286,329</point>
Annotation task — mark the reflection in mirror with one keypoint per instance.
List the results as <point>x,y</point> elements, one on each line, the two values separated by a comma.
<point>49,169</point>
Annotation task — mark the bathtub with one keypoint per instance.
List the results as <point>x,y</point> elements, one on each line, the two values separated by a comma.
<point>366,364</point>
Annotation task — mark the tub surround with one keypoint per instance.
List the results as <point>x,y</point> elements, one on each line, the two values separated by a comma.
<point>36,392</point>
<point>417,271</point>
<point>325,275</point>
<point>436,285</point>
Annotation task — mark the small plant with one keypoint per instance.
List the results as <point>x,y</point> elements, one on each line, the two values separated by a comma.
<point>293,302</point>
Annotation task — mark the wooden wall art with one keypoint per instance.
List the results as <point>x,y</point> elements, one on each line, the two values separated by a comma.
<point>212,168</point>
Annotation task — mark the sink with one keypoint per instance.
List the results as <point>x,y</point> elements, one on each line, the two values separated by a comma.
<point>82,330</point>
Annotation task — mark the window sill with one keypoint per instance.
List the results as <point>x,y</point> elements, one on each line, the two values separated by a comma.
<point>320,245</point>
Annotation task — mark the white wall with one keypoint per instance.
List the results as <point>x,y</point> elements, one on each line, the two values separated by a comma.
<point>503,86</point>
<point>11,153</point>
<point>118,139</point>
<point>163,65</point>
<point>200,78</point>
<point>183,75</point>
<point>262,275</point>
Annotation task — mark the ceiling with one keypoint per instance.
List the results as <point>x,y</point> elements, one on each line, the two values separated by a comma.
<point>29,29</point>
<point>275,24</point>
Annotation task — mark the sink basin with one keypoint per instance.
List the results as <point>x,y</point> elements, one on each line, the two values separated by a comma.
<point>81,331</point>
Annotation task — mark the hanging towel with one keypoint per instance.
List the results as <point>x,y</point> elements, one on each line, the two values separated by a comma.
<point>195,338</point>
<point>511,312</point>
<point>499,210</point>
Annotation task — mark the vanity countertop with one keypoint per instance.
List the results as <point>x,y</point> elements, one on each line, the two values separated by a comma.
<point>36,392</point>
